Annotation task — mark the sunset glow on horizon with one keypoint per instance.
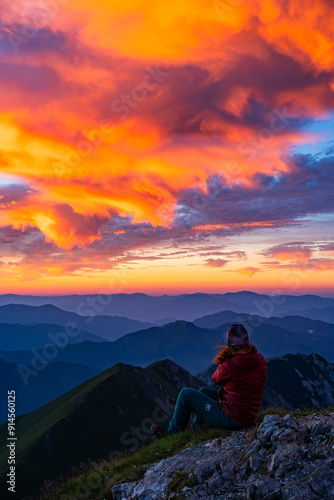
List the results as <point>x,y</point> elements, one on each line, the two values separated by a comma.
<point>167,147</point>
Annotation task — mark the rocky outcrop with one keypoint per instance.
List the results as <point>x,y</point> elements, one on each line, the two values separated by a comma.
<point>286,458</point>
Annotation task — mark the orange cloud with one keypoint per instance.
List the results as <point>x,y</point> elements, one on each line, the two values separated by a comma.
<point>298,255</point>
<point>122,109</point>
<point>294,252</point>
<point>248,271</point>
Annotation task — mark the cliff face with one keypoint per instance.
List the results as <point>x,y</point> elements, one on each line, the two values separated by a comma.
<point>294,381</point>
<point>299,381</point>
<point>287,458</point>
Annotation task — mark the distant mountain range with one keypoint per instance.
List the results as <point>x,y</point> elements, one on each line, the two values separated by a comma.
<point>294,381</point>
<point>39,335</point>
<point>324,314</point>
<point>112,411</point>
<point>106,327</point>
<point>186,344</point>
<point>181,341</point>
<point>297,324</point>
<point>293,323</point>
<point>188,307</point>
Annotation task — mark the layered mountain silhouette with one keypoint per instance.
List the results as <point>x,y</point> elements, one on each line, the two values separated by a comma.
<point>180,341</point>
<point>298,324</point>
<point>40,335</point>
<point>149,308</point>
<point>294,381</point>
<point>184,343</point>
<point>107,327</point>
<point>303,337</point>
<point>112,411</point>
<point>323,314</point>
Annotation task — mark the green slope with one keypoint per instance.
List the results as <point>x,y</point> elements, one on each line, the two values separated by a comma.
<point>93,420</point>
<point>32,426</point>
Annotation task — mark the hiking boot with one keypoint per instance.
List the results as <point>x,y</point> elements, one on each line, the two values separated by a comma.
<point>195,425</point>
<point>158,432</point>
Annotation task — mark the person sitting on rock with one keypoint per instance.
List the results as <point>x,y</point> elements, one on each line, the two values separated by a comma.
<point>241,373</point>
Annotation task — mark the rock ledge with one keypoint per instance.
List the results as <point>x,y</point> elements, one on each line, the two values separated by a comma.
<point>288,458</point>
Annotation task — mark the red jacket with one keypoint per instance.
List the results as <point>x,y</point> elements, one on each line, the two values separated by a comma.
<point>243,377</point>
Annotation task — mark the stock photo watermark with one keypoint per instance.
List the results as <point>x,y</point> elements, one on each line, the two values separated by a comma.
<point>88,308</point>
<point>19,35</point>
<point>122,106</point>
<point>226,7</point>
<point>11,441</point>
<point>250,149</point>
<point>134,438</point>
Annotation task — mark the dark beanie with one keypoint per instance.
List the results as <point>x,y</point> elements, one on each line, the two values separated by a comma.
<point>237,336</point>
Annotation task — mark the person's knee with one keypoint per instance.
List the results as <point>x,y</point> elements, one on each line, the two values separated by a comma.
<point>206,391</point>
<point>184,393</point>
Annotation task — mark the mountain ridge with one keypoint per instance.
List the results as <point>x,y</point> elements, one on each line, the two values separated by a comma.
<point>107,327</point>
<point>37,336</point>
<point>151,308</point>
<point>93,420</point>
<point>173,341</point>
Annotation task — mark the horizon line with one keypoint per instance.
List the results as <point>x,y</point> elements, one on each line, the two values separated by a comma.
<point>167,294</point>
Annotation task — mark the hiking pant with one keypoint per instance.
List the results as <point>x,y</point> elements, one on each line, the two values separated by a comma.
<point>206,407</point>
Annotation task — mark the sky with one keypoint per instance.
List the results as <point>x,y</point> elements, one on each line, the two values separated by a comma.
<point>166,147</point>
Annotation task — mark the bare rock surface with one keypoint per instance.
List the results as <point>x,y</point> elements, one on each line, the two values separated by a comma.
<point>287,458</point>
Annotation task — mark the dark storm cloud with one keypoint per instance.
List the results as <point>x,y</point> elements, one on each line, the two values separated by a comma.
<point>14,194</point>
<point>280,199</point>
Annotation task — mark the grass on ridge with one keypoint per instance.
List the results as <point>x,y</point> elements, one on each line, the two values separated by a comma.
<point>93,481</point>
<point>271,410</point>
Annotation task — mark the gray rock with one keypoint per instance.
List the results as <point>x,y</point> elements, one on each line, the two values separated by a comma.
<point>320,428</point>
<point>317,451</point>
<point>286,468</point>
<point>228,470</point>
<point>298,456</point>
<point>215,481</point>
<point>275,435</point>
<point>273,495</point>
<point>287,435</point>
<point>204,469</point>
<point>290,422</point>
<point>322,479</point>
<point>330,495</point>
<point>255,446</point>
<point>297,491</point>
<point>123,490</point>
<point>265,487</point>
<point>286,453</point>
<point>270,422</point>
<point>243,471</point>
<point>251,491</point>
<point>256,461</point>
<point>317,486</point>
